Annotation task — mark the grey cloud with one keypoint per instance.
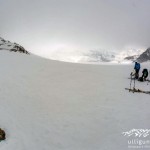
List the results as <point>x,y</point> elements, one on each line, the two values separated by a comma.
<point>82,24</point>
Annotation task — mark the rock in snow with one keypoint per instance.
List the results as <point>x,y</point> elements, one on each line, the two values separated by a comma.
<point>2,134</point>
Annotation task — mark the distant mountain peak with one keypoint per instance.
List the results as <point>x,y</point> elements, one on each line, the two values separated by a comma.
<point>125,56</point>
<point>13,47</point>
<point>100,56</point>
<point>144,57</point>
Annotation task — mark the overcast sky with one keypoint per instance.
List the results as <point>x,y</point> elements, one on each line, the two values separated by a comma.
<point>46,25</point>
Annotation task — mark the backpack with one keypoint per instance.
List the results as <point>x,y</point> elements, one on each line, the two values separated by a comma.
<point>145,72</point>
<point>140,79</point>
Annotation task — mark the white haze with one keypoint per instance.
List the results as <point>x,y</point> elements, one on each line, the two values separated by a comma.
<point>66,28</point>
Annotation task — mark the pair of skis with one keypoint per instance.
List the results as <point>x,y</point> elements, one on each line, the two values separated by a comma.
<point>137,90</point>
<point>133,90</point>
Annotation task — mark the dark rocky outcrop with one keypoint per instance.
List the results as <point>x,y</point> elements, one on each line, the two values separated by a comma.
<point>2,135</point>
<point>144,56</point>
<point>131,57</point>
<point>13,47</point>
<point>18,48</point>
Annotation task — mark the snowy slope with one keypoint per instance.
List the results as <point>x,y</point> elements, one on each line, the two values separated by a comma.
<point>50,105</point>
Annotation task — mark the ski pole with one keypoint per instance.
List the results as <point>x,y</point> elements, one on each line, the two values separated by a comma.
<point>130,80</point>
<point>148,78</point>
<point>134,84</point>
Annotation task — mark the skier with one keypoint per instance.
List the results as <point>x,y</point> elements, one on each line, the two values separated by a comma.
<point>137,69</point>
<point>144,75</point>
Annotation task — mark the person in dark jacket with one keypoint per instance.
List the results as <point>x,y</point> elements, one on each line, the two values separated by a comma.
<point>137,69</point>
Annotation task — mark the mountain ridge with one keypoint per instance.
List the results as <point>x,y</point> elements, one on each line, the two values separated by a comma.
<point>144,57</point>
<point>91,56</point>
<point>12,47</point>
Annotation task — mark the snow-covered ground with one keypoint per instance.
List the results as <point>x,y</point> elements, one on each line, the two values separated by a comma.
<point>51,105</point>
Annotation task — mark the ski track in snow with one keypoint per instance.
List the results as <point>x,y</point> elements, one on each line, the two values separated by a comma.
<point>50,105</point>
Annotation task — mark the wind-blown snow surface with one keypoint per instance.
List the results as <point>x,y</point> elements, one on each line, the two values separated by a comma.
<point>50,105</point>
